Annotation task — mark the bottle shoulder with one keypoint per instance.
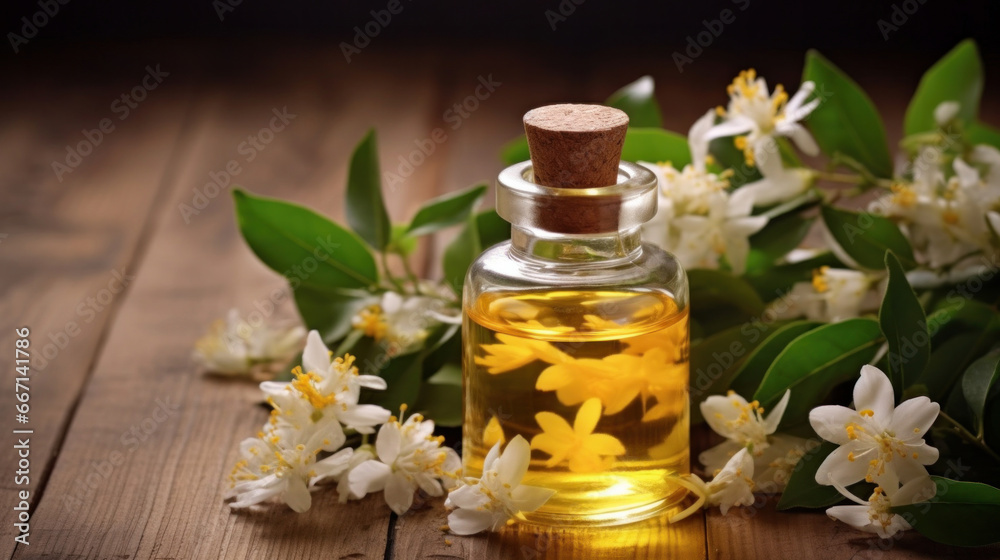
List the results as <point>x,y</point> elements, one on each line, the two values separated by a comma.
<point>648,268</point>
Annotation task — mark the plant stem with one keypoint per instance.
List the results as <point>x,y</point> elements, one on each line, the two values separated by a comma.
<point>840,177</point>
<point>409,273</point>
<point>968,436</point>
<point>388,274</point>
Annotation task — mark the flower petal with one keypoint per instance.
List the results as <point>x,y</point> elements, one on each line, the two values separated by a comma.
<point>552,423</point>
<point>913,417</point>
<point>369,476</point>
<point>913,492</point>
<point>838,468</point>
<point>469,521</point>
<point>587,417</point>
<point>774,417</point>
<point>371,381</point>
<point>316,356</point>
<point>830,422</point>
<point>297,495</point>
<point>398,494</point>
<point>364,415</point>
<point>526,499</point>
<point>468,496</point>
<point>513,463</point>
<point>388,442</point>
<point>855,516</point>
<point>715,458</point>
<point>603,444</point>
<point>873,391</point>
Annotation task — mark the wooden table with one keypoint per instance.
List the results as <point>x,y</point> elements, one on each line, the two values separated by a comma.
<point>131,443</point>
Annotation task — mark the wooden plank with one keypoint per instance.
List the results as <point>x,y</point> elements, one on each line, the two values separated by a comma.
<point>763,532</point>
<point>418,535</point>
<point>163,499</point>
<point>68,248</point>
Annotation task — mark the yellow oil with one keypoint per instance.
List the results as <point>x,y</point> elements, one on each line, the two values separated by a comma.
<point>547,364</point>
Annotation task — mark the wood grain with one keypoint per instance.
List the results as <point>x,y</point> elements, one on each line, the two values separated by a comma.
<point>164,499</point>
<point>119,490</point>
<point>69,248</point>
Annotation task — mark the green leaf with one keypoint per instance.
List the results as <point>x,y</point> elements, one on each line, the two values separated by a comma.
<point>445,211</point>
<point>401,243</point>
<point>721,300</point>
<point>866,237</point>
<point>656,145</point>
<point>289,238</point>
<point>330,311</point>
<point>777,239</point>
<point>715,361</point>
<point>904,325</point>
<point>802,489</point>
<point>982,133</point>
<point>956,77</point>
<point>481,231</point>
<point>846,120</point>
<point>515,151</point>
<point>772,283</point>
<point>946,364</point>
<point>961,514</point>
<point>441,397</point>
<point>751,373</point>
<point>365,210</point>
<point>492,228</point>
<point>638,102</point>
<point>816,362</point>
<point>460,253</point>
<point>976,384</point>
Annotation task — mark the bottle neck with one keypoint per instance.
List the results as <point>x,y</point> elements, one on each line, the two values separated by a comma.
<point>536,244</point>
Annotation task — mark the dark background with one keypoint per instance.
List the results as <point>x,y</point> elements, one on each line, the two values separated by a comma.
<point>837,28</point>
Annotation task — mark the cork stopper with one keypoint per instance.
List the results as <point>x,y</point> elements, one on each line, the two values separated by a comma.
<point>575,146</point>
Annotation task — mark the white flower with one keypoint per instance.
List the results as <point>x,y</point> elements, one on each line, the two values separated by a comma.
<point>325,390</point>
<point>745,427</point>
<point>946,218</point>
<point>778,183</point>
<point>489,502</point>
<point>878,441</point>
<point>732,486</point>
<point>409,457</point>
<point>875,515</point>
<point>361,454</point>
<point>755,116</point>
<point>835,294</point>
<point>945,112</point>
<point>402,321</point>
<point>233,346</point>
<point>741,423</point>
<point>282,464</point>
<point>724,230</point>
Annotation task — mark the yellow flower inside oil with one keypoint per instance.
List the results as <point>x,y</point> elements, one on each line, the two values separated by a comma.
<point>597,382</point>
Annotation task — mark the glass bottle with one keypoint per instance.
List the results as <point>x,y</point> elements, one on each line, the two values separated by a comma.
<point>575,337</point>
